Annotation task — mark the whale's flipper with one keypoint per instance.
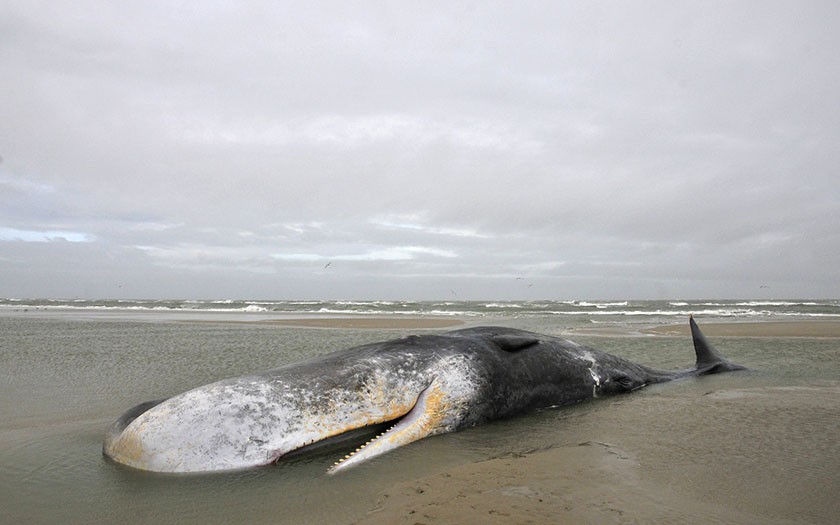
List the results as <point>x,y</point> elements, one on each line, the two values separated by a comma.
<point>428,417</point>
<point>709,361</point>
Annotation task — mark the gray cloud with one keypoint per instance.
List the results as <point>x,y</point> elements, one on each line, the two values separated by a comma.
<point>588,149</point>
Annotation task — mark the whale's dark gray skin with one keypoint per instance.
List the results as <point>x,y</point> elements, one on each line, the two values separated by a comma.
<point>424,385</point>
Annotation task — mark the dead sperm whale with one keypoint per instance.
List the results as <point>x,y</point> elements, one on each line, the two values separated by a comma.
<point>423,385</point>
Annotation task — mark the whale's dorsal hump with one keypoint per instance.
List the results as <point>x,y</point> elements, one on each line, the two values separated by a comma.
<point>514,343</point>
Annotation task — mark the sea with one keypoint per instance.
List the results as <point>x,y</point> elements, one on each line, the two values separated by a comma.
<point>765,442</point>
<point>561,313</point>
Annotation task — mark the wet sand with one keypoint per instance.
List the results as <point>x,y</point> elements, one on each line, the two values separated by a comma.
<point>595,482</point>
<point>763,447</point>
<point>753,473</point>
<point>591,482</point>
<point>828,329</point>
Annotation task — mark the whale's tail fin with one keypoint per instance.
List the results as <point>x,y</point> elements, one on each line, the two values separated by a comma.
<point>709,361</point>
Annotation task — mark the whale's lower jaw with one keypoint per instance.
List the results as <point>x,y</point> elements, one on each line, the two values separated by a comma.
<point>430,415</point>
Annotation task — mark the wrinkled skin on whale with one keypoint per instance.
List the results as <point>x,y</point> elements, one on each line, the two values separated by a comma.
<point>422,385</point>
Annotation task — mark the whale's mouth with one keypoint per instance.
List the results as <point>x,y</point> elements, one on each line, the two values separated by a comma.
<point>426,418</point>
<point>353,438</point>
<point>420,420</point>
<point>336,444</point>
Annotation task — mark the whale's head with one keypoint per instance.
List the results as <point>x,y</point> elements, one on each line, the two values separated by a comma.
<point>252,421</point>
<point>222,426</point>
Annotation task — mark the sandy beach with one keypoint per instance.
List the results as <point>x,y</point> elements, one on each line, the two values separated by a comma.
<point>588,482</point>
<point>596,482</point>
<point>755,447</point>
<point>601,482</point>
<point>591,482</point>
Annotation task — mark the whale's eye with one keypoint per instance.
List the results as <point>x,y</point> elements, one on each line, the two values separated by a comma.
<point>624,381</point>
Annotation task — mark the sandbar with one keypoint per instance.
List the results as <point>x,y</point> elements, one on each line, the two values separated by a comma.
<point>408,323</point>
<point>820,329</point>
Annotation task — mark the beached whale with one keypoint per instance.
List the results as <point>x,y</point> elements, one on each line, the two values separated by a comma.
<point>423,385</point>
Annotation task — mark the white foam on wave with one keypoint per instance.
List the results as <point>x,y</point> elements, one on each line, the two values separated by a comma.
<point>254,308</point>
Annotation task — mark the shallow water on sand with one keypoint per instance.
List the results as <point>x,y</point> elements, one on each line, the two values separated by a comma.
<point>765,442</point>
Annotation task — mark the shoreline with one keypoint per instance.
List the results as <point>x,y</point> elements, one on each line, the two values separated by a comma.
<point>713,327</point>
<point>300,320</point>
<point>826,329</point>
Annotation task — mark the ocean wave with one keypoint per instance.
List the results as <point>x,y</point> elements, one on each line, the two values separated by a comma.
<point>588,304</point>
<point>486,309</point>
<point>415,312</point>
<point>254,308</point>
<point>504,305</point>
<point>758,303</point>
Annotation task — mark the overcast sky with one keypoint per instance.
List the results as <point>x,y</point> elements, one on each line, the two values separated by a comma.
<point>420,150</point>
